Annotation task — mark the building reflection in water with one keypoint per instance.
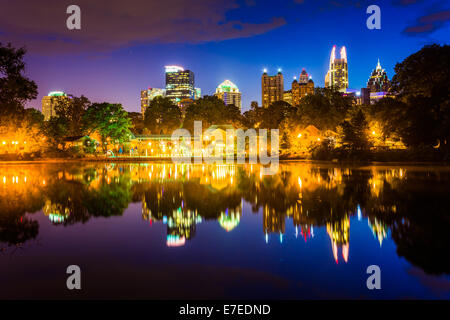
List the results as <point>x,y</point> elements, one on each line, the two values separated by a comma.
<point>311,196</point>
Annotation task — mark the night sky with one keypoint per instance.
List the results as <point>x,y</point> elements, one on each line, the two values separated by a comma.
<point>123,46</point>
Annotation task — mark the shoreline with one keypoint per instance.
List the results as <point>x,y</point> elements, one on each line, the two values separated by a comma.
<point>169,160</point>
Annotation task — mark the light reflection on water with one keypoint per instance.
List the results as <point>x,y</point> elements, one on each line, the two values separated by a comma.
<point>405,211</point>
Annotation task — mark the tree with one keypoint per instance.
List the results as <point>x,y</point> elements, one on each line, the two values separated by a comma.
<point>72,110</point>
<point>355,132</point>
<point>109,121</point>
<point>325,109</point>
<point>137,122</point>
<point>274,115</point>
<point>212,110</point>
<point>56,129</point>
<point>162,116</point>
<point>422,113</point>
<point>15,88</point>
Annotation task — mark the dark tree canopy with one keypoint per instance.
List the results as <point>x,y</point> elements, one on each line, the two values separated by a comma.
<point>109,121</point>
<point>15,88</point>
<point>162,116</point>
<point>211,110</point>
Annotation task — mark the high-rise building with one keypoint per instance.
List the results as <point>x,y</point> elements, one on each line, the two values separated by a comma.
<point>197,93</point>
<point>303,87</point>
<point>378,80</point>
<point>179,84</point>
<point>148,95</point>
<point>49,103</point>
<point>272,88</point>
<point>229,93</point>
<point>337,75</point>
<point>287,96</point>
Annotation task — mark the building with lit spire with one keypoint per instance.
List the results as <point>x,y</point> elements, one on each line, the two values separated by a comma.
<point>337,75</point>
<point>301,88</point>
<point>378,84</point>
<point>229,93</point>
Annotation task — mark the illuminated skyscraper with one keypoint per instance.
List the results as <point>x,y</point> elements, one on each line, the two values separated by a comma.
<point>229,93</point>
<point>378,80</point>
<point>50,101</point>
<point>303,87</point>
<point>179,84</point>
<point>272,88</point>
<point>148,95</point>
<point>337,75</point>
<point>197,93</point>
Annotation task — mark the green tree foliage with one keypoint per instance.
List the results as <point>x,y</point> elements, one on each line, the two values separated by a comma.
<point>421,112</point>
<point>162,116</point>
<point>355,132</point>
<point>273,116</point>
<point>109,121</point>
<point>56,129</point>
<point>15,88</point>
<point>72,111</point>
<point>211,110</point>
<point>137,122</point>
<point>325,109</point>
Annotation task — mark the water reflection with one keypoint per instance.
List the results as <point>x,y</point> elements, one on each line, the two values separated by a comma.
<point>410,205</point>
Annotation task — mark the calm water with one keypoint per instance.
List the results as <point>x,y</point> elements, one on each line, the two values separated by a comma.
<point>196,231</point>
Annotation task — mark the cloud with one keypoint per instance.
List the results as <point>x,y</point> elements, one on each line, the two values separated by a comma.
<point>108,25</point>
<point>405,2</point>
<point>428,23</point>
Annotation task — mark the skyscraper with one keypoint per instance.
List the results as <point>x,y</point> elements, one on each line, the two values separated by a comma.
<point>272,88</point>
<point>50,101</point>
<point>337,75</point>
<point>179,84</point>
<point>148,95</point>
<point>303,87</point>
<point>229,93</point>
<point>378,80</point>
<point>378,85</point>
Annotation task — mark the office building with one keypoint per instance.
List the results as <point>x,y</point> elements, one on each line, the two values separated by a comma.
<point>337,75</point>
<point>378,80</point>
<point>148,95</point>
<point>229,93</point>
<point>272,88</point>
<point>49,103</point>
<point>179,84</point>
<point>301,88</point>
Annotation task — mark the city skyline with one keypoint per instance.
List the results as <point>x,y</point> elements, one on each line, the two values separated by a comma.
<point>259,36</point>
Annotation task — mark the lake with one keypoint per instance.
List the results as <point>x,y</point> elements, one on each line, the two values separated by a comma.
<point>167,231</point>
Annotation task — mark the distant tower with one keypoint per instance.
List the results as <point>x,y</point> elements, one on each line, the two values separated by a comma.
<point>148,95</point>
<point>337,75</point>
<point>179,84</point>
<point>272,88</point>
<point>49,103</point>
<point>378,80</point>
<point>303,87</point>
<point>229,93</point>
<point>303,76</point>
